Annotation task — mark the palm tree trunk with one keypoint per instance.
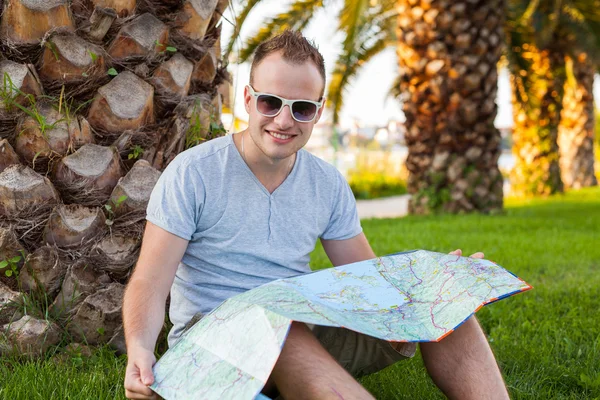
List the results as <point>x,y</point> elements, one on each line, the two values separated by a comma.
<point>448,56</point>
<point>537,102</point>
<point>127,85</point>
<point>576,129</point>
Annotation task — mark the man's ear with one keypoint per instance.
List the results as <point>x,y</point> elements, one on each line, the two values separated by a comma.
<point>247,99</point>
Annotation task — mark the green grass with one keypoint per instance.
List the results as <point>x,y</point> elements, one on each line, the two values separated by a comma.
<point>375,185</point>
<point>72,377</point>
<point>547,340</point>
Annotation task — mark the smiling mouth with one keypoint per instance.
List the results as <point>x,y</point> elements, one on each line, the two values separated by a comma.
<point>280,136</point>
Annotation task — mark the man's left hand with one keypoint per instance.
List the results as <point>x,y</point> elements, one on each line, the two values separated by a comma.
<point>458,252</point>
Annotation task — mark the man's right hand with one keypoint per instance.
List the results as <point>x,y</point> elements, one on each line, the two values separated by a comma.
<point>138,374</point>
<point>144,306</point>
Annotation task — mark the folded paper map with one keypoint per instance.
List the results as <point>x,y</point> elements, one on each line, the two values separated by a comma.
<point>418,296</point>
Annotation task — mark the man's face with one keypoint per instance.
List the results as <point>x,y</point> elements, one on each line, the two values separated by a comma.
<point>276,76</point>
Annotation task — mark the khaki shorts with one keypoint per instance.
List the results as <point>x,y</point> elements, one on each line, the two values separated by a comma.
<point>360,354</point>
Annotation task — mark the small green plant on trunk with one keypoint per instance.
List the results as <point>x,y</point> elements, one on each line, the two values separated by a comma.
<point>111,208</point>
<point>10,266</point>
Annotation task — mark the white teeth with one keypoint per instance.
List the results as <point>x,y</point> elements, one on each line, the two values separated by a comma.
<point>278,136</point>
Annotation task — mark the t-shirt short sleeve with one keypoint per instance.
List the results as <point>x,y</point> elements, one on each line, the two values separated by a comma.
<point>177,199</point>
<point>344,222</point>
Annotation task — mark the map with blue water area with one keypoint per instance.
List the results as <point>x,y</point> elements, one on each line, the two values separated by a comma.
<point>409,297</point>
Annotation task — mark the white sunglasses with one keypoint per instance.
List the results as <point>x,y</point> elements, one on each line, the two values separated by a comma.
<point>270,105</point>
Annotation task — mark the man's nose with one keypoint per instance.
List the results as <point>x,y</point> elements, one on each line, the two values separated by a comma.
<point>284,119</point>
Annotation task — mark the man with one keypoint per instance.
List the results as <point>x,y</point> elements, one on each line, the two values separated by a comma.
<point>242,210</point>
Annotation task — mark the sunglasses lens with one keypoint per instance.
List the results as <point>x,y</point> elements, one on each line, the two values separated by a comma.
<point>268,105</point>
<point>304,111</point>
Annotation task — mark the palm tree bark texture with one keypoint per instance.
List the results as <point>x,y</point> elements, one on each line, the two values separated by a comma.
<point>537,104</point>
<point>448,52</point>
<point>576,129</point>
<point>96,98</point>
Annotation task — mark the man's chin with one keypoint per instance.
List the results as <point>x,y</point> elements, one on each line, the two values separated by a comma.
<point>278,154</point>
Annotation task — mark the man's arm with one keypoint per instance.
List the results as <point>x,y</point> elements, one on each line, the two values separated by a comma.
<point>341,252</point>
<point>144,305</point>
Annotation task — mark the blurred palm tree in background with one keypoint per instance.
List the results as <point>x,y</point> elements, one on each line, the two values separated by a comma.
<point>553,48</point>
<point>577,122</point>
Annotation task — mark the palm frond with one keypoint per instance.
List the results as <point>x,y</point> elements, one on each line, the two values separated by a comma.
<point>590,10</point>
<point>542,17</point>
<point>582,37</point>
<point>541,20</point>
<point>239,21</point>
<point>351,19</point>
<point>545,24</point>
<point>517,42</point>
<point>581,22</point>
<point>574,13</point>
<point>296,18</point>
<point>529,10</point>
<point>369,28</point>
<point>529,27</point>
<point>347,66</point>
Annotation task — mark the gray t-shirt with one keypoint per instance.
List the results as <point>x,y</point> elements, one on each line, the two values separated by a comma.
<point>241,236</point>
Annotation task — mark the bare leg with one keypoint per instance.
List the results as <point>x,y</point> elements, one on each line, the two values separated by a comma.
<point>463,366</point>
<point>305,370</point>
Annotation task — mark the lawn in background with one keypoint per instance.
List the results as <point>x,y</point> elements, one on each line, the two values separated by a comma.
<point>546,340</point>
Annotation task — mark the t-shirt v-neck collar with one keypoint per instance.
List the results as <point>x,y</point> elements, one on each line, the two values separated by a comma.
<point>256,180</point>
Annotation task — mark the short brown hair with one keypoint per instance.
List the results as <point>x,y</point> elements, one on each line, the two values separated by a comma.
<point>295,48</point>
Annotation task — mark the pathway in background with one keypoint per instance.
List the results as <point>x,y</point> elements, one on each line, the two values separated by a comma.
<point>386,207</point>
